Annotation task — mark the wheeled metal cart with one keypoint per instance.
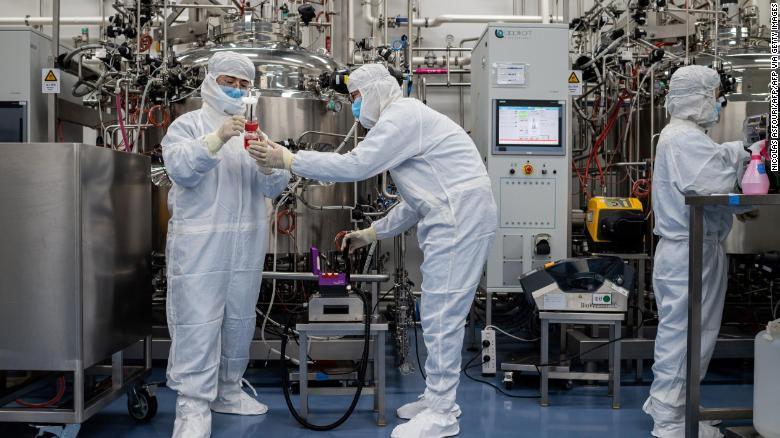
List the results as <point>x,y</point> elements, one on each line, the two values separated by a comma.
<point>76,285</point>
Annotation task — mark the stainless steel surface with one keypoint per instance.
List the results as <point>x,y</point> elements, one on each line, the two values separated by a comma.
<point>334,349</point>
<point>280,66</point>
<point>725,414</point>
<point>585,346</point>
<point>759,200</point>
<point>693,414</point>
<point>741,432</point>
<point>308,276</point>
<point>284,115</point>
<point>756,236</point>
<point>76,241</point>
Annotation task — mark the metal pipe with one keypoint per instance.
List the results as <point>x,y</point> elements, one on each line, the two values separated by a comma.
<point>383,182</point>
<point>369,17</point>
<point>351,28</point>
<point>546,11</point>
<point>46,21</point>
<point>410,41</point>
<point>55,53</point>
<point>165,36</point>
<point>384,27</point>
<point>452,84</point>
<point>442,49</point>
<point>458,61</point>
<point>206,6</point>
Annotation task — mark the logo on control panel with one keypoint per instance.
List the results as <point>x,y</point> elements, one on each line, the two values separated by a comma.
<point>499,33</point>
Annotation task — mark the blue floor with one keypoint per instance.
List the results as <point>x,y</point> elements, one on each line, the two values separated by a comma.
<point>579,412</point>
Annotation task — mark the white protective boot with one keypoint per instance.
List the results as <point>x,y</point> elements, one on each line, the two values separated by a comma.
<point>428,424</point>
<point>193,418</point>
<point>409,410</point>
<point>231,399</point>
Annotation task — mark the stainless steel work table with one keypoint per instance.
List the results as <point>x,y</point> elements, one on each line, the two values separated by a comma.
<point>613,320</point>
<point>693,413</point>
<point>378,332</point>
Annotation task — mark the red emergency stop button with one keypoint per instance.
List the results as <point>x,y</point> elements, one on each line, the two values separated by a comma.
<point>528,169</point>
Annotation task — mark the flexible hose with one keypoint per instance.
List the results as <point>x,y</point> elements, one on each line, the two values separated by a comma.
<point>361,378</point>
<point>57,397</point>
<point>119,117</point>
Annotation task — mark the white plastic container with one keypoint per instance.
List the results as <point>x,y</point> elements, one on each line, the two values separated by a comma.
<point>766,382</point>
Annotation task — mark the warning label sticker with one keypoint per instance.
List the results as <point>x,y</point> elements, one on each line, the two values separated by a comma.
<point>50,80</point>
<point>575,83</point>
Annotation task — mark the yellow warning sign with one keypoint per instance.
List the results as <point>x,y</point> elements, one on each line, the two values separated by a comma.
<point>573,79</point>
<point>50,77</point>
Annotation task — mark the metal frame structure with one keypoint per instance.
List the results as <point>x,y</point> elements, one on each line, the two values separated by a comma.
<point>378,333</point>
<point>693,413</point>
<point>123,377</point>
<point>613,320</point>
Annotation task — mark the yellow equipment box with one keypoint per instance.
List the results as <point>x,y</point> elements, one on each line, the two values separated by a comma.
<point>615,224</point>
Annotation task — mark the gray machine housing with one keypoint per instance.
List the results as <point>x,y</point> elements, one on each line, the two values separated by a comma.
<point>336,309</point>
<point>23,107</point>
<point>534,206</point>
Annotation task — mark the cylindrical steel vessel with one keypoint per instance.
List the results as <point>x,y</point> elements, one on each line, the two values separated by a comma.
<point>288,109</point>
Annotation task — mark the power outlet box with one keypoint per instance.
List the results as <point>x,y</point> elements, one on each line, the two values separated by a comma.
<point>488,352</point>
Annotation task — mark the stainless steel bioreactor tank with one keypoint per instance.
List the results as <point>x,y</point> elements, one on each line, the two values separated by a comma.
<point>288,109</point>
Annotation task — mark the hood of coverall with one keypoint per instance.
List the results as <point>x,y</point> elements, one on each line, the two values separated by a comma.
<point>230,64</point>
<point>378,89</point>
<point>692,95</point>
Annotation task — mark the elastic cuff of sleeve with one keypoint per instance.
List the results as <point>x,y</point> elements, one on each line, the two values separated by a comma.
<point>371,233</point>
<point>213,143</point>
<point>287,158</point>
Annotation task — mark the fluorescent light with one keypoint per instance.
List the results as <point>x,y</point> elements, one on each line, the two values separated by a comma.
<point>767,60</point>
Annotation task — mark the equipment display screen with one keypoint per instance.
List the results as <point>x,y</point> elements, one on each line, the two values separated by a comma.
<point>522,125</point>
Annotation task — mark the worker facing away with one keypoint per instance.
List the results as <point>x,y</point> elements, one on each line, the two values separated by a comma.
<point>446,193</point>
<point>216,246</point>
<point>688,163</point>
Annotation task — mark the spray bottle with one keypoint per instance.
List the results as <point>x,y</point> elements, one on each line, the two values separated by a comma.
<point>251,126</point>
<point>755,181</point>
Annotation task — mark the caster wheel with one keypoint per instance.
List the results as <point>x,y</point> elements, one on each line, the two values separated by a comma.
<point>141,404</point>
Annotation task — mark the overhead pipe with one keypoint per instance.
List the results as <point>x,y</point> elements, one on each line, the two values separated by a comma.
<point>441,61</point>
<point>369,17</point>
<point>28,20</point>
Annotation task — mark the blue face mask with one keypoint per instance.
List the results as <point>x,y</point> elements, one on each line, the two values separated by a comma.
<point>233,93</point>
<point>717,111</point>
<point>356,107</point>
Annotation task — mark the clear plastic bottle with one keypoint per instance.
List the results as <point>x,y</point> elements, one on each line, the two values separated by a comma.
<point>766,382</point>
<point>250,133</point>
<point>755,181</point>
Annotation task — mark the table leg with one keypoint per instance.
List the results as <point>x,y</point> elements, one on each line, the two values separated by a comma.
<point>693,361</point>
<point>611,361</point>
<point>303,373</point>
<point>641,314</point>
<point>616,366</point>
<point>545,369</point>
<point>380,381</point>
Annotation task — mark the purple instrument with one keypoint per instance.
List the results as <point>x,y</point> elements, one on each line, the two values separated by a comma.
<point>330,283</point>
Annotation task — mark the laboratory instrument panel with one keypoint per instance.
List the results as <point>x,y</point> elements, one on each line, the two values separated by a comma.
<point>521,127</point>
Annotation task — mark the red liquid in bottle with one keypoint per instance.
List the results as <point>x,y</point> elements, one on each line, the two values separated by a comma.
<point>250,133</point>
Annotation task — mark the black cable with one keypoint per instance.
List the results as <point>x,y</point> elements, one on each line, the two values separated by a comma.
<point>417,353</point>
<point>465,371</point>
<point>361,381</point>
